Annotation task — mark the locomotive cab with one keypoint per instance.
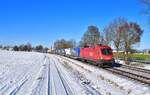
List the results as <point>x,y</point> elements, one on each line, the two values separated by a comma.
<point>106,55</point>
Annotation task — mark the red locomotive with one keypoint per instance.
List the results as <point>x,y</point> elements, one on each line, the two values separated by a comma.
<point>100,55</point>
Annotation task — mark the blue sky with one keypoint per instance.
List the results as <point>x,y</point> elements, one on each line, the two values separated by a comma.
<point>44,21</point>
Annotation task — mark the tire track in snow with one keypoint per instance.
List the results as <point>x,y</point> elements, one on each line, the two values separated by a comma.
<point>39,86</point>
<point>58,84</point>
<point>22,80</point>
<point>18,88</point>
<point>49,78</point>
<point>84,83</point>
<point>67,88</point>
<point>14,87</point>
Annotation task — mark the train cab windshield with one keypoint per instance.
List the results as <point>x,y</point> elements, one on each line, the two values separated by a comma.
<point>106,51</point>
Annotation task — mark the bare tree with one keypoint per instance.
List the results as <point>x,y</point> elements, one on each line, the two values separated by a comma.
<point>113,34</point>
<point>131,35</point>
<point>71,43</point>
<point>16,48</point>
<point>59,44</point>
<point>39,48</point>
<point>25,47</point>
<point>7,47</point>
<point>123,35</point>
<point>91,37</point>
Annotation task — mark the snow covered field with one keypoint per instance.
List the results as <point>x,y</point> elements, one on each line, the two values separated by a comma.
<point>30,73</point>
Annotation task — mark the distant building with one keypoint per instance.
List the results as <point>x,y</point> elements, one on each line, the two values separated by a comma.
<point>114,50</point>
<point>146,51</point>
<point>10,49</point>
<point>49,51</point>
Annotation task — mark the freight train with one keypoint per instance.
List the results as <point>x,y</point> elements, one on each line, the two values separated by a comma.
<point>98,55</point>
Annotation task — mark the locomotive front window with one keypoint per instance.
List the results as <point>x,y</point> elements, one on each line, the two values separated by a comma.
<point>106,51</point>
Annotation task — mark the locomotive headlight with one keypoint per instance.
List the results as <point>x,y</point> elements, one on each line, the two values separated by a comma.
<point>101,57</point>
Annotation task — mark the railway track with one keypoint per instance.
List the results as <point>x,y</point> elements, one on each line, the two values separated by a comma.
<point>49,93</point>
<point>135,73</point>
<point>136,69</point>
<point>141,61</point>
<point>139,77</point>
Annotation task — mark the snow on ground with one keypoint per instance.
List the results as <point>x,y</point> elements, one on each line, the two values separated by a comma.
<point>147,66</point>
<point>105,82</point>
<point>19,71</point>
<point>31,73</point>
<point>74,81</point>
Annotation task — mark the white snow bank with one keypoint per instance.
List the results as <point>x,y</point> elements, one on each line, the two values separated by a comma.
<point>108,82</point>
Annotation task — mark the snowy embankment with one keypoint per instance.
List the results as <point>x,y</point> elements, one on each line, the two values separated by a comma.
<point>104,81</point>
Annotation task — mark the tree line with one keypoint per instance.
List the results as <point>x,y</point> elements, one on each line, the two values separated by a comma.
<point>62,43</point>
<point>25,47</point>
